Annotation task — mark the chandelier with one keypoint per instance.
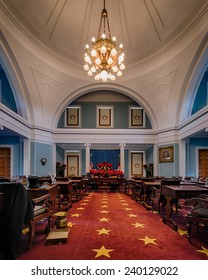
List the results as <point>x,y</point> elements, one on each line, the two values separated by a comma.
<point>104,60</point>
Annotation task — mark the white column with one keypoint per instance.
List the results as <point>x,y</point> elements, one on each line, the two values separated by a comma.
<point>87,157</point>
<point>26,160</point>
<point>122,165</point>
<point>155,160</point>
<point>182,158</point>
<point>53,160</point>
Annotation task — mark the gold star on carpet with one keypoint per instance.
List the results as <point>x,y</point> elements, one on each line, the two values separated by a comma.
<point>127,209</point>
<point>86,200</point>
<point>123,200</point>
<point>104,211</point>
<point>138,225</point>
<point>132,215</point>
<point>148,240</point>
<point>204,250</point>
<point>70,224</point>
<point>102,252</point>
<point>154,212</point>
<point>75,215</point>
<point>25,231</point>
<point>103,219</point>
<point>182,232</point>
<point>80,208</point>
<point>104,206</point>
<point>83,203</point>
<point>125,204</point>
<point>104,202</point>
<point>103,231</point>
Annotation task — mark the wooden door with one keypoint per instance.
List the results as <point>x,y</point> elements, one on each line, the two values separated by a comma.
<point>5,159</point>
<point>203,162</point>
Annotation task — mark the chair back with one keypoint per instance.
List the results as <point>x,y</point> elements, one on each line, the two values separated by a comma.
<point>62,178</point>
<point>148,179</point>
<point>172,182</point>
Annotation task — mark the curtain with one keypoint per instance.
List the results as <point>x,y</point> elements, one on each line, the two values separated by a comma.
<point>110,156</point>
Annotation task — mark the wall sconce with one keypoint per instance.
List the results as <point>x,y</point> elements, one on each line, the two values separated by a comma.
<point>43,161</point>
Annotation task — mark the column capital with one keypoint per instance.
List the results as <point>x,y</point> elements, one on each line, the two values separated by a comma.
<point>87,145</point>
<point>122,145</point>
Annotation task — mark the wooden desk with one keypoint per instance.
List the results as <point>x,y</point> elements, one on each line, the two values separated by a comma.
<point>178,192</point>
<point>147,188</point>
<point>132,187</point>
<point>66,188</point>
<point>107,181</point>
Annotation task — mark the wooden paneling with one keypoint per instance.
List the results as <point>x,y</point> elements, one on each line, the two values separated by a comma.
<point>5,159</point>
<point>203,162</point>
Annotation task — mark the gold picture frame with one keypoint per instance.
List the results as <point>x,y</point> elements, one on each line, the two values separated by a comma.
<point>166,154</point>
<point>104,116</point>
<point>136,164</point>
<point>72,166</point>
<point>136,117</point>
<point>73,116</point>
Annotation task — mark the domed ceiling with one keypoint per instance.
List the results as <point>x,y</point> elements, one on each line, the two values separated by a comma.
<point>145,27</point>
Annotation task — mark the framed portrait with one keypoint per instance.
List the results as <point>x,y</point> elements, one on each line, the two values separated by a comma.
<point>73,116</point>
<point>136,117</point>
<point>166,154</point>
<point>104,116</point>
<point>136,164</point>
<point>73,166</point>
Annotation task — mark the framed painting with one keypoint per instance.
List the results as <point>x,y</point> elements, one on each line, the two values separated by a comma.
<point>72,166</point>
<point>73,116</point>
<point>104,116</point>
<point>136,117</point>
<point>166,154</point>
<point>136,164</point>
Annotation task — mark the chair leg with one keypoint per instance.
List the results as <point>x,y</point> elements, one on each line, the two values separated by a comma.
<point>31,233</point>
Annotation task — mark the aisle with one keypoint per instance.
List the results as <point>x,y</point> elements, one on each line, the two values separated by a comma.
<point>113,226</point>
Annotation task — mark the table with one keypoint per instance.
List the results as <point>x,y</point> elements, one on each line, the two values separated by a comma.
<point>178,192</point>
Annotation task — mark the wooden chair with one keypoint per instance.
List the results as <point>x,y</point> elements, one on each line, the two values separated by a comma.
<point>42,210</point>
<point>158,199</point>
<point>198,216</point>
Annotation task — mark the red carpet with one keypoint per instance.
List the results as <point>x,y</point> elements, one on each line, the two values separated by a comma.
<point>113,226</point>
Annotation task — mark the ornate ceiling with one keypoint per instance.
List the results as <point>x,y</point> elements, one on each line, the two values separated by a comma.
<point>145,27</point>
